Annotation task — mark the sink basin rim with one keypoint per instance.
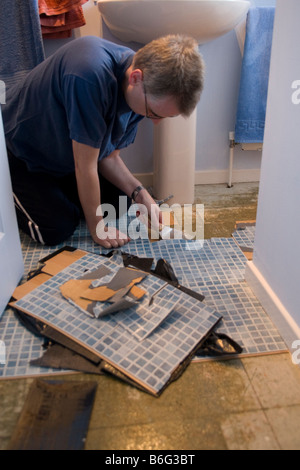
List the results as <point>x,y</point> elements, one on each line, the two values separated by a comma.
<point>130,20</point>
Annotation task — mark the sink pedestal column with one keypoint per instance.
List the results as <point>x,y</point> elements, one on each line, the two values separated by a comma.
<point>174,159</point>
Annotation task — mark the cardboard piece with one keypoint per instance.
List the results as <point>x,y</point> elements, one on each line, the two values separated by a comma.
<point>28,286</point>
<point>62,260</point>
<point>83,294</point>
<point>55,416</point>
<point>80,289</point>
<point>49,266</point>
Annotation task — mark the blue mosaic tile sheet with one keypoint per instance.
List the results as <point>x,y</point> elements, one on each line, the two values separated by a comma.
<point>215,260</point>
<point>151,362</point>
<point>244,319</point>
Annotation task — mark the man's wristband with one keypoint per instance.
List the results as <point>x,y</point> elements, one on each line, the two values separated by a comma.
<point>136,192</point>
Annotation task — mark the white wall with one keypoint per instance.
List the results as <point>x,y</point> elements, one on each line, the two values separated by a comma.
<point>216,110</point>
<point>275,271</point>
<point>11,260</point>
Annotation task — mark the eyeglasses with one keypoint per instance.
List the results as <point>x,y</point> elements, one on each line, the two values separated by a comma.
<point>150,114</point>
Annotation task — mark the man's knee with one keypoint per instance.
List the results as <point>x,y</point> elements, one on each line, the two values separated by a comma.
<point>52,237</point>
<point>54,233</point>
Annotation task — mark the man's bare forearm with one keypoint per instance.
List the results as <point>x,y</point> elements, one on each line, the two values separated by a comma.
<point>116,172</point>
<point>89,195</point>
<point>86,170</point>
<point>88,185</point>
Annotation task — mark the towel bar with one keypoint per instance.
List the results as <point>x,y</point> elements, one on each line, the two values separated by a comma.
<point>257,146</point>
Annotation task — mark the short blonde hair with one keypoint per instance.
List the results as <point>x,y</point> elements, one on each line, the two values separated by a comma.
<point>173,66</point>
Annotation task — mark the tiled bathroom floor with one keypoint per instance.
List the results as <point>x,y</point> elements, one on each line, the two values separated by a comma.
<point>244,403</point>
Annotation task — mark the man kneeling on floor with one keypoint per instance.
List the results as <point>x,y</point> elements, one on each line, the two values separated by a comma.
<point>66,123</point>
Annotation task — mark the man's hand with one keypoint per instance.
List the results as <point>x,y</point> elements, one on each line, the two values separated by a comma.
<point>109,237</point>
<point>149,212</point>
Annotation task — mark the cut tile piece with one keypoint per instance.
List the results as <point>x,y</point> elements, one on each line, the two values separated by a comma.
<point>98,273</point>
<point>99,311</point>
<point>144,318</point>
<point>60,357</point>
<point>126,277</point>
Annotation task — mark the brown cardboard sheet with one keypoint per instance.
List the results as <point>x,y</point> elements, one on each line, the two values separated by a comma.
<point>55,416</point>
<point>61,261</point>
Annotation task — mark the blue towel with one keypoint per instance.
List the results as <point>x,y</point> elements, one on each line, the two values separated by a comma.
<point>21,44</point>
<point>251,112</point>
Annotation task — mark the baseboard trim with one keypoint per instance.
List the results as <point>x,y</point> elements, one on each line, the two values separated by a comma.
<point>222,176</point>
<point>211,177</point>
<point>145,178</point>
<point>285,323</point>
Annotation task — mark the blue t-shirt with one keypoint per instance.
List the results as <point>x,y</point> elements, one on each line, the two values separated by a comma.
<point>76,94</point>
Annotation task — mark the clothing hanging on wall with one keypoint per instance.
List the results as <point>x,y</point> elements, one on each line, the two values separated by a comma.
<point>251,111</point>
<point>21,44</point>
<point>59,17</point>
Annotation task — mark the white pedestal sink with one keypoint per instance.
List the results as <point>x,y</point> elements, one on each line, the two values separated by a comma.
<point>174,154</point>
<point>144,20</point>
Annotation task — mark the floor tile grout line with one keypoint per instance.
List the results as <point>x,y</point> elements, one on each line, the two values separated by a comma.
<point>262,408</point>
